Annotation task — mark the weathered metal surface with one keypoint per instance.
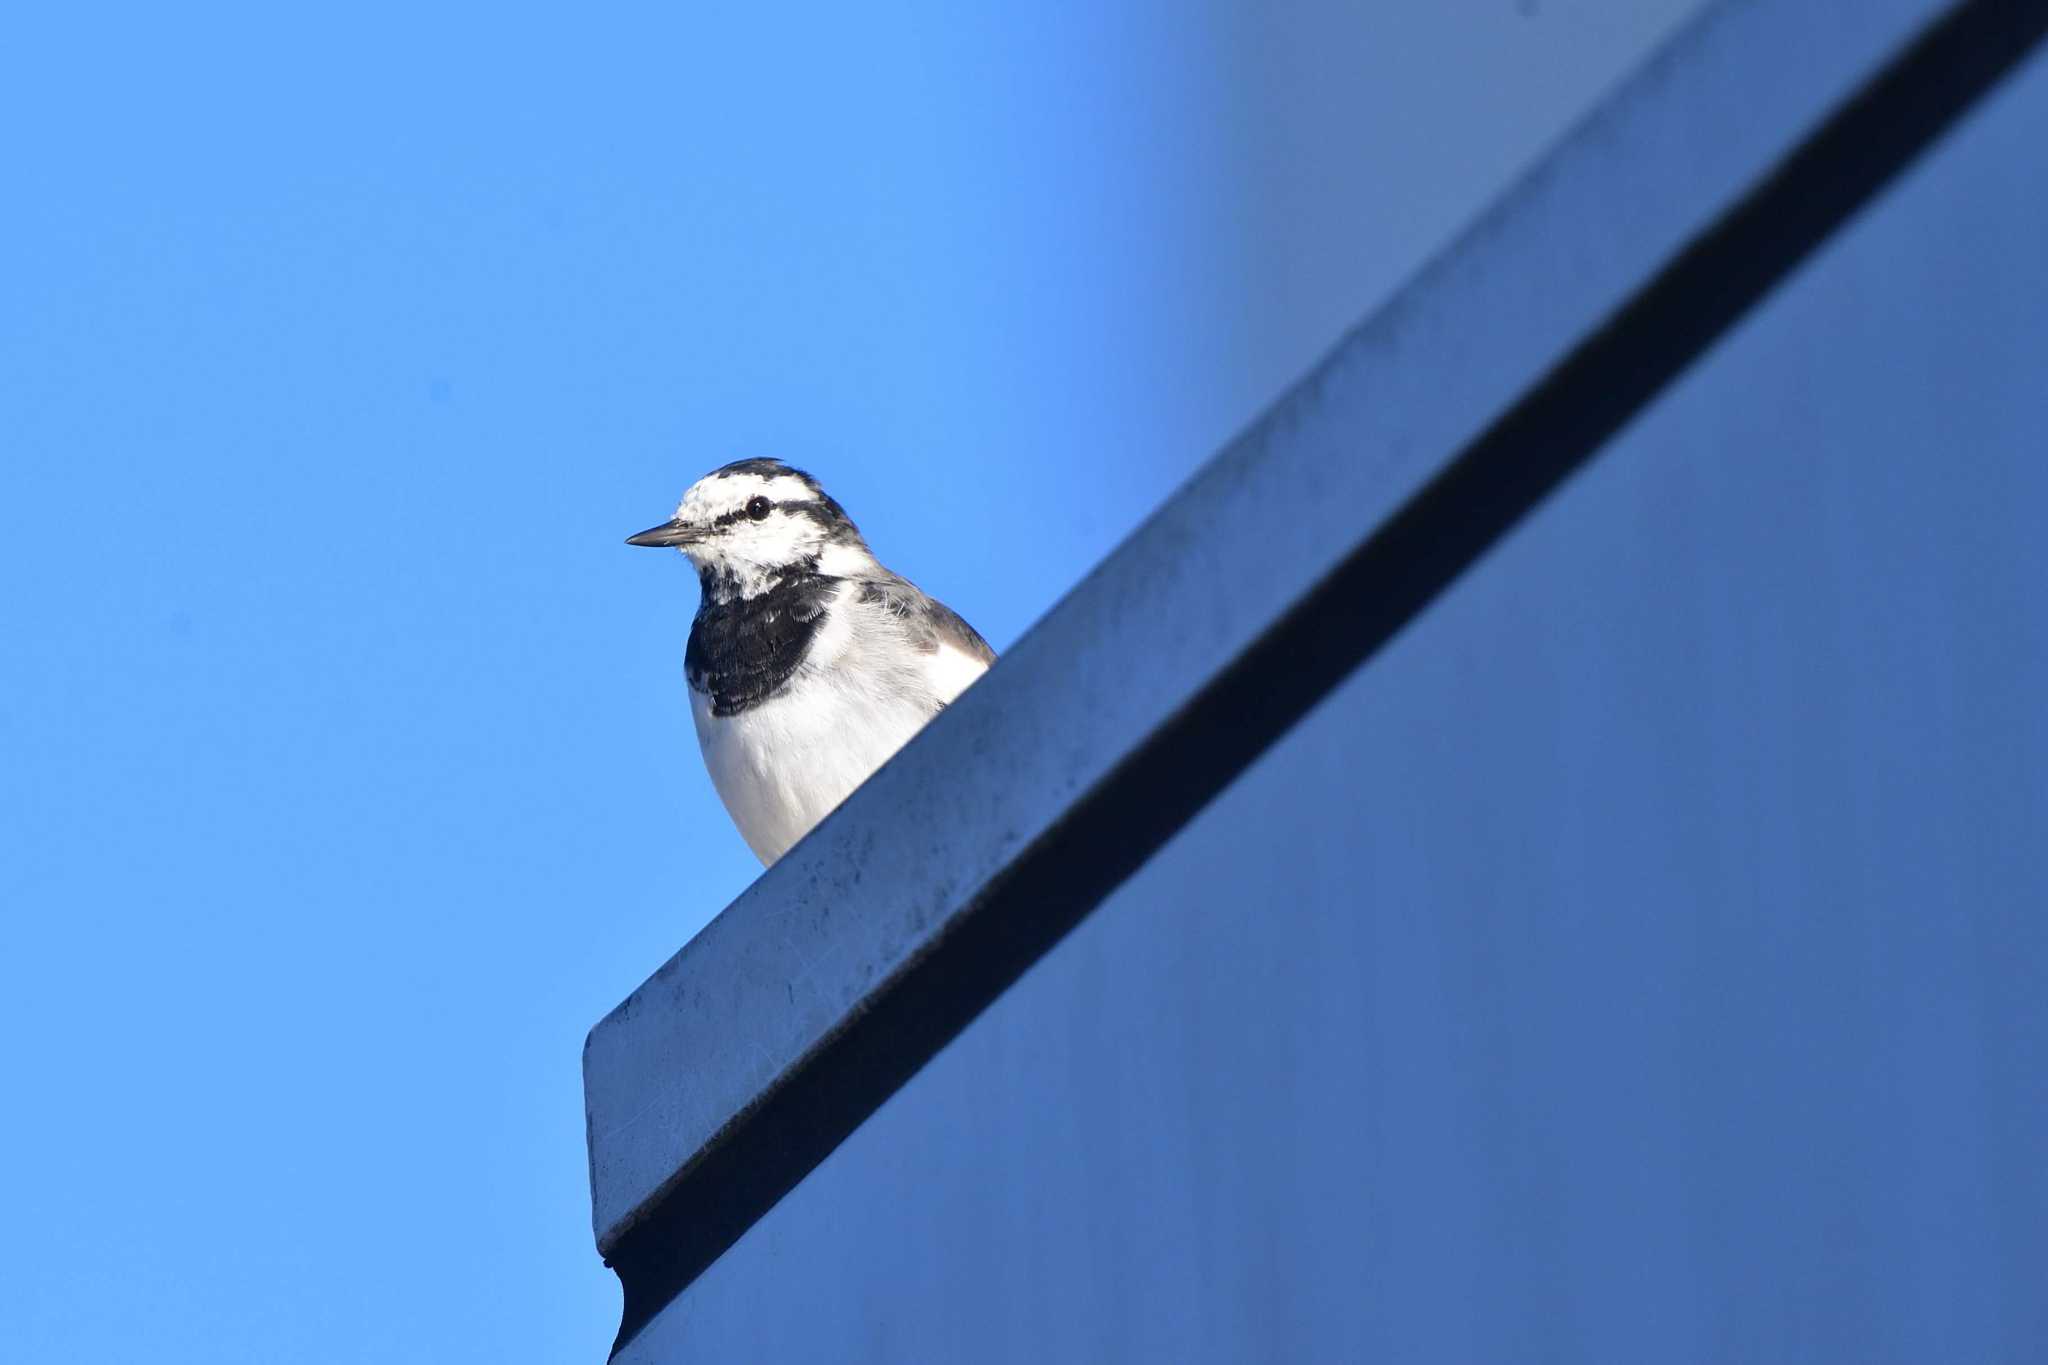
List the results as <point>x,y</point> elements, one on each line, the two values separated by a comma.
<point>1291,557</point>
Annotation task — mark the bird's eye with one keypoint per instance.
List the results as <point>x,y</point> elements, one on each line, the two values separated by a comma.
<point>758,508</point>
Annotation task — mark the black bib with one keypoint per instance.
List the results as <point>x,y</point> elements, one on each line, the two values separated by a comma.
<point>744,650</point>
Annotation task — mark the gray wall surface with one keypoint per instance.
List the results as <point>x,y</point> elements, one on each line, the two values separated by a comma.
<point>1640,959</point>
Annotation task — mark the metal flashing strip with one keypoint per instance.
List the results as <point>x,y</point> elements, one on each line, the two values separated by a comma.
<point>1395,465</point>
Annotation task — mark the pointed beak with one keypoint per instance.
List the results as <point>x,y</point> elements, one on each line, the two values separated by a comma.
<point>668,535</point>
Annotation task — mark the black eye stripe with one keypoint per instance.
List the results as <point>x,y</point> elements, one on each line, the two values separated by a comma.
<point>807,508</point>
<point>724,519</point>
<point>823,511</point>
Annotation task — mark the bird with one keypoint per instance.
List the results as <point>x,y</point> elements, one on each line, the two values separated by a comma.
<point>809,664</point>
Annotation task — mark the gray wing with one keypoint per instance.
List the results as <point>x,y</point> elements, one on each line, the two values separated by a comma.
<point>929,622</point>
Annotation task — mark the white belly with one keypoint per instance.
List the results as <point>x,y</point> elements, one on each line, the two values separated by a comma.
<point>782,766</point>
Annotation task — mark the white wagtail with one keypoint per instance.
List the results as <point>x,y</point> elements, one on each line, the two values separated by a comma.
<point>809,663</point>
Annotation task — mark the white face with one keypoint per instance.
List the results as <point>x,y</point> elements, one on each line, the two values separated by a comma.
<point>726,509</point>
<point>745,523</point>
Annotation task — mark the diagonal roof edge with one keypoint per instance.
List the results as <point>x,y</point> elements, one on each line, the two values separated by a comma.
<point>1394,465</point>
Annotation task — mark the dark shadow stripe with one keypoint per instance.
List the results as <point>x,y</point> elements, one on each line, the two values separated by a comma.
<point>1481,495</point>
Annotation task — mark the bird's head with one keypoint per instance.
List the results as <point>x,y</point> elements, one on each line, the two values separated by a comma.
<point>756,523</point>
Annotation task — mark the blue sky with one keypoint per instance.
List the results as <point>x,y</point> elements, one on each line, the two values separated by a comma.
<point>346,775</point>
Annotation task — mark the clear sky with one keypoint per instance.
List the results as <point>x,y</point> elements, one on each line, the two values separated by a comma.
<point>346,774</point>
